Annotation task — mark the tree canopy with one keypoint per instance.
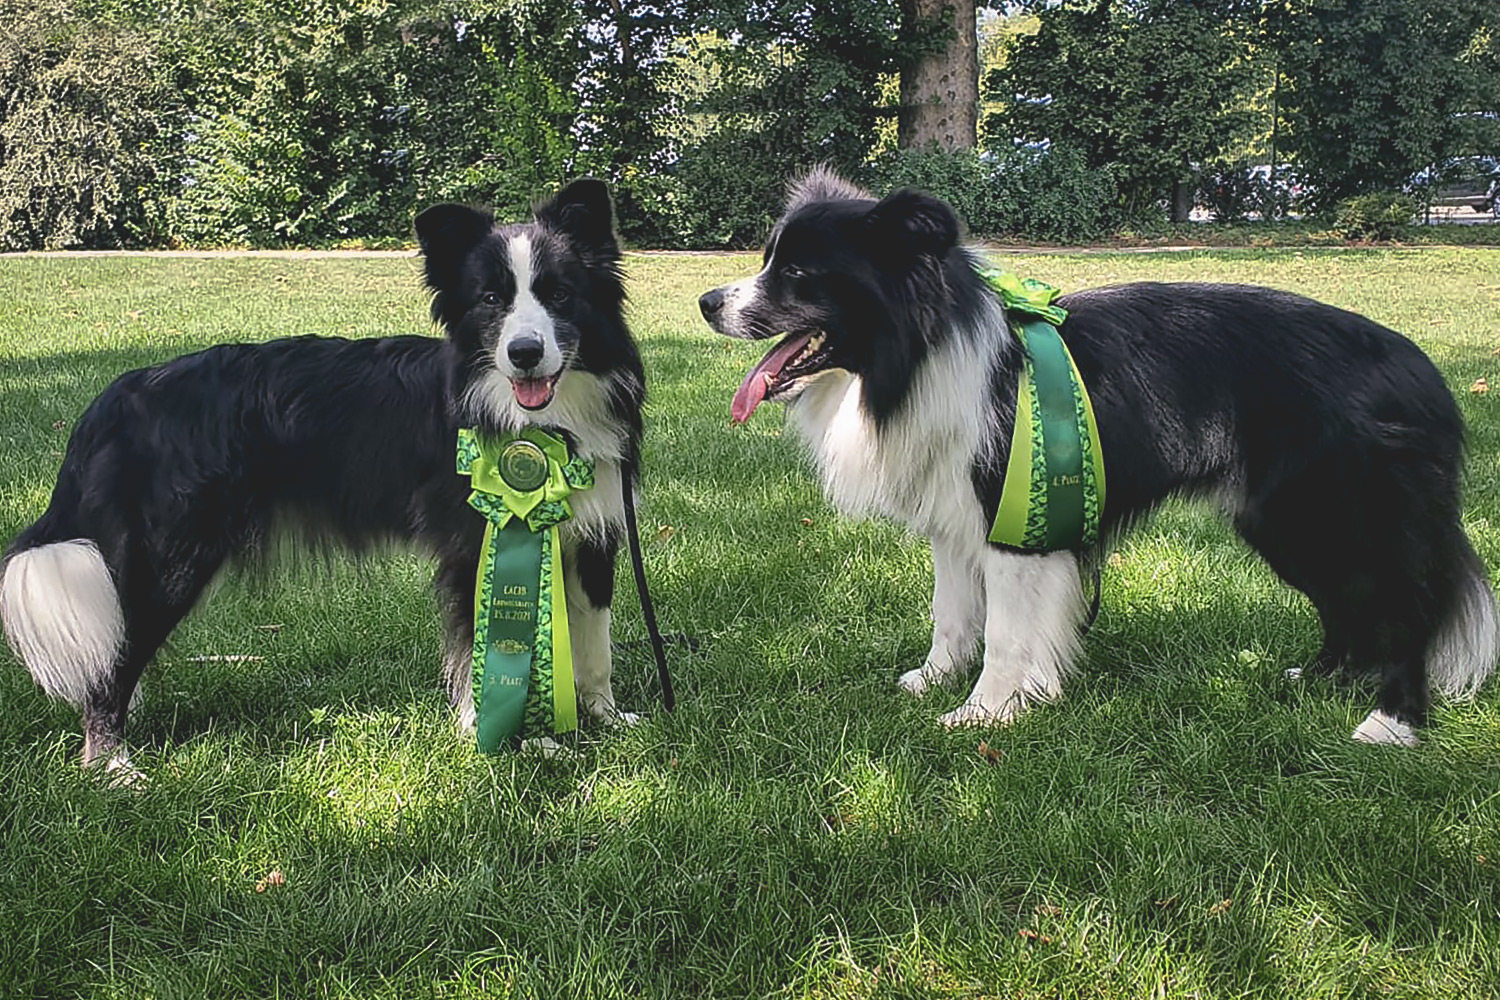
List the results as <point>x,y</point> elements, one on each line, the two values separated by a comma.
<point>262,122</point>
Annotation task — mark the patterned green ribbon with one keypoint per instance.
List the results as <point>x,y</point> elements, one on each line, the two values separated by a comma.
<point>1054,478</point>
<point>523,657</point>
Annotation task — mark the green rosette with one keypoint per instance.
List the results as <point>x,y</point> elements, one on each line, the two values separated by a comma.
<point>1053,495</point>
<point>522,654</point>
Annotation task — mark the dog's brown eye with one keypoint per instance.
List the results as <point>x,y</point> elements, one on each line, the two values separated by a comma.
<point>559,294</point>
<point>490,298</point>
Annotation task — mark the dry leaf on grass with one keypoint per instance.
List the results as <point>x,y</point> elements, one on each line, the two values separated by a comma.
<point>1031,935</point>
<point>665,532</point>
<point>1220,908</point>
<point>273,879</point>
<point>1480,386</point>
<point>991,754</point>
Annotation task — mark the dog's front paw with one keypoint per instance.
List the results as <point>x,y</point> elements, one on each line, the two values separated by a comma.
<point>975,713</point>
<point>926,677</point>
<point>116,770</point>
<point>1387,730</point>
<point>916,682</point>
<point>602,709</point>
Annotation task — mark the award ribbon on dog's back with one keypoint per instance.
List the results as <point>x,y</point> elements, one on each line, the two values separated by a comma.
<point>1053,495</point>
<point>522,655</point>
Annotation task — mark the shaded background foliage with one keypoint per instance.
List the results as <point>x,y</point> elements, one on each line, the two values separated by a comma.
<point>269,122</point>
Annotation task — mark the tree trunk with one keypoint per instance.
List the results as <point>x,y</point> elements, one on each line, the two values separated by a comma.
<point>1181,209</point>
<point>940,91</point>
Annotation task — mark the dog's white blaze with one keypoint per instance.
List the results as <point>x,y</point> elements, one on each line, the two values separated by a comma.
<point>1386,730</point>
<point>736,297</point>
<point>62,616</point>
<point>527,316</point>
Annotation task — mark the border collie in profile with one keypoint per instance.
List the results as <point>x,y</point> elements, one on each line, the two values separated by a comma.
<point>1329,441</point>
<point>176,469</point>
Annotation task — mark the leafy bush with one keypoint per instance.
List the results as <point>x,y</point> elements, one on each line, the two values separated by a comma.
<point>1042,194</point>
<point>963,179</point>
<point>723,191</point>
<point>1379,216</point>
<point>85,126</point>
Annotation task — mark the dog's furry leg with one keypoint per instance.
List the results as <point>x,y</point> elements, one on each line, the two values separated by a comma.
<point>589,577</point>
<point>458,677</point>
<point>957,618</point>
<point>454,585</point>
<point>1033,607</point>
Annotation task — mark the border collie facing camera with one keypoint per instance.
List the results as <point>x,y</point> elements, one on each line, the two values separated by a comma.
<point>175,469</point>
<point>1331,442</point>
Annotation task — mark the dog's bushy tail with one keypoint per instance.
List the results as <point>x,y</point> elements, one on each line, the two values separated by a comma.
<point>62,616</point>
<point>1463,653</point>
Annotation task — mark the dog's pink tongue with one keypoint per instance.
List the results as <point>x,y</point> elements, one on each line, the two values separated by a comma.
<point>758,382</point>
<point>532,392</point>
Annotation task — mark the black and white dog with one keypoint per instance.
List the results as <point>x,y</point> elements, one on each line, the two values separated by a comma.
<point>174,470</point>
<point>1331,442</point>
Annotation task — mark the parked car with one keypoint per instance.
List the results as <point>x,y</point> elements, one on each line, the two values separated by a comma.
<point>1471,182</point>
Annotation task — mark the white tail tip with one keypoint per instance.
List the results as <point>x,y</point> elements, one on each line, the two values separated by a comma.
<point>1463,655</point>
<point>62,617</point>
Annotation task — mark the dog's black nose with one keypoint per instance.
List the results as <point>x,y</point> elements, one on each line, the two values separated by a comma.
<point>711,302</point>
<point>525,352</point>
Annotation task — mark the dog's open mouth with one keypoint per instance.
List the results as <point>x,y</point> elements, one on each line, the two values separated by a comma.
<point>535,393</point>
<point>797,356</point>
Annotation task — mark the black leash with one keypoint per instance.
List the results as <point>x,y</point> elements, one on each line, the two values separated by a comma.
<point>647,611</point>
<point>1088,622</point>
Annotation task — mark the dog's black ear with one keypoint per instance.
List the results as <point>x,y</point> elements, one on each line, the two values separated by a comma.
<point>913,223</point>
<point>447,233</point>
<point>582,212</point>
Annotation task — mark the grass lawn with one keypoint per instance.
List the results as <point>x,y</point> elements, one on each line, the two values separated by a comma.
<point>1186,823</point>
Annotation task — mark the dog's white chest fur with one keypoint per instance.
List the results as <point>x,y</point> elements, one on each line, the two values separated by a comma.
<point>918,468</point>
<point>581,408</point>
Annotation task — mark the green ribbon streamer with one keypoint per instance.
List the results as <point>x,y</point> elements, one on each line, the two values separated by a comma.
<point>1053,493</point>
<point>522,655</point>
<point>1025,295</point>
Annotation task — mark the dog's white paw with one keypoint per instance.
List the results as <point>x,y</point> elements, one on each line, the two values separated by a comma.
<point>1386,730</point>
<point>117,771</point>
<point>926,677</point>
<point>550,749</point>
<point>917,682</point>
<point>602,709</point>
<point>972,713</point>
